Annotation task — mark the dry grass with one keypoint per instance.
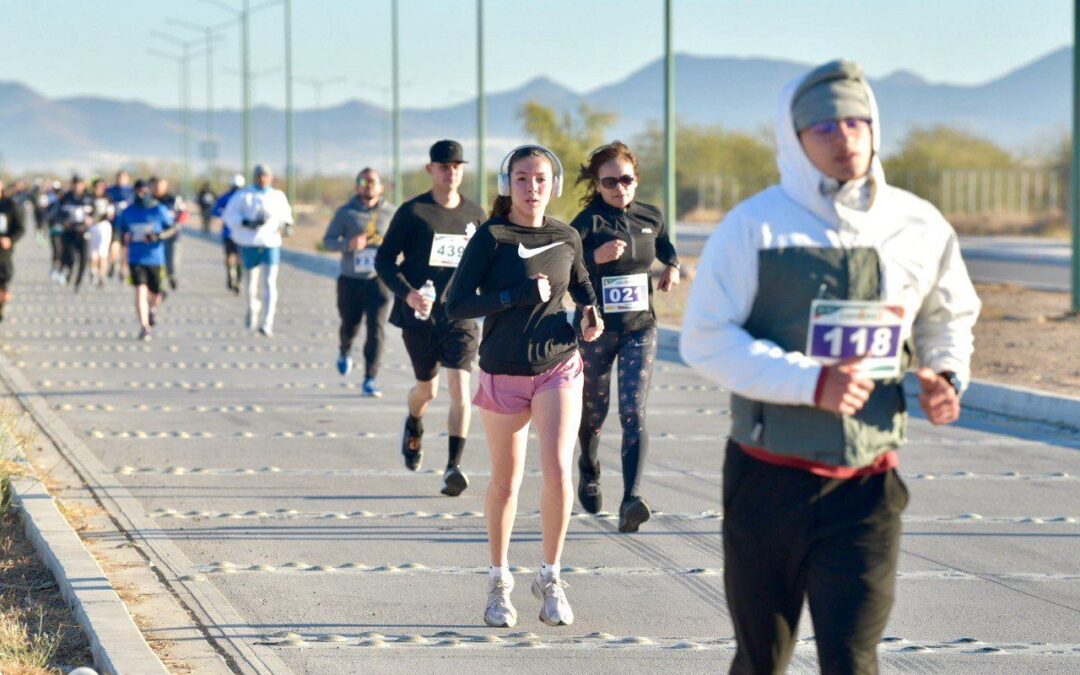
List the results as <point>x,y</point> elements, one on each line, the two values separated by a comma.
<point>37,631</point>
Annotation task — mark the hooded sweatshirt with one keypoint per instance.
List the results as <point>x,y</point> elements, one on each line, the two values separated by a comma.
<point>256,217</point>
<point>352,219</point>
<point>810,237</point>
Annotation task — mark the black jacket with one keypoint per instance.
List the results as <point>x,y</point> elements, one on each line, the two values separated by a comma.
<point>522,335</point>
<point>643,229</point>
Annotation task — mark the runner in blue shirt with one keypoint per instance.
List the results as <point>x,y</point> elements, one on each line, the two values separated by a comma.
<point>144,226</point>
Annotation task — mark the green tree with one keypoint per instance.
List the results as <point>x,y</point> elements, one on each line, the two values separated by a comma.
<point>925,152</point>
<point>745,161</point>
<point>570,136</point>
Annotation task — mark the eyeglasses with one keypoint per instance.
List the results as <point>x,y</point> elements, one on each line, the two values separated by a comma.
<point>830,127</point>
<point>610,182</point>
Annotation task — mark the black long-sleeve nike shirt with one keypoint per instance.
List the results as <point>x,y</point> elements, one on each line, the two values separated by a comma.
<point>522,335</point>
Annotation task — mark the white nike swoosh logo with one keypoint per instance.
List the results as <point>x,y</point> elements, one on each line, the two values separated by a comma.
<point>530,252</point>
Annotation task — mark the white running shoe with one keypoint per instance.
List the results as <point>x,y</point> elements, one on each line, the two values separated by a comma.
<point>556,608</point>
<point>500,613</point>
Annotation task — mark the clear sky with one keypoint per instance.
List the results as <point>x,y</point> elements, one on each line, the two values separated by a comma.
<point>99,47</point>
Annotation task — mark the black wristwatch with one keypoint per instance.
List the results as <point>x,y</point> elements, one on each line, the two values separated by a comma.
<point>954,381</point>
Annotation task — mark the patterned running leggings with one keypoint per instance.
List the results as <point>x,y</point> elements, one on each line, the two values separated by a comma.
<point>636,351</point>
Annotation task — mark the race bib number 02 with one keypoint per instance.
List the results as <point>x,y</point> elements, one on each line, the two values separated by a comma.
<point>364,260</point>
<point>446,249</point>
<point>627,293</point>
<point>847,329</point>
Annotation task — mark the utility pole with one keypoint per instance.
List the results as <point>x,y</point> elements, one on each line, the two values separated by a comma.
<point>244,17</point>
<point>1074,183</point>
<point>317,85</point>
<point>396,99</point>
<point>245,84</point>
<point>209,146</point>
<point>290,165</point>
<point>669,124</point>
<point>481,108</point>
<point>182,60</point>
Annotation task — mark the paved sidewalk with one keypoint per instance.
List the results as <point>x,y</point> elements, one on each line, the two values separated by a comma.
<point>300,541</point>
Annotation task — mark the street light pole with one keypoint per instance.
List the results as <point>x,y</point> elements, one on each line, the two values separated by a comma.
<point>481,107</point>
<point>396,99</point>
<point>669,124</point>
<point>290,166</point>
<point>1074,183</point>
<point>245,75</point>
<point>317,85</point>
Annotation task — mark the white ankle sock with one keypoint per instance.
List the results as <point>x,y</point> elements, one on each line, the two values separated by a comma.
<point>549,571</point>
<point>499,572</point>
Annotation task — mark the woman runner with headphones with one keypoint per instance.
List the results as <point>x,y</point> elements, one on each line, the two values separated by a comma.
<point>620,237</point>
<point>523,264</point>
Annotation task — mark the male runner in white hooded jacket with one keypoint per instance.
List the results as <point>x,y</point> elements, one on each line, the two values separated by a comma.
<point>812,499</point>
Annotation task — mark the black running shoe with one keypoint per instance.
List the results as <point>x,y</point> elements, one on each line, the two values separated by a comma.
<point>153,317</point>
<point>454,481</point>
<point>588,491</point>
<point>632,513</point>
<point>410,447</point>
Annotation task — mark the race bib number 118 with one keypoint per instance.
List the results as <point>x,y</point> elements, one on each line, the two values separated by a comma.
<point>845,329</point>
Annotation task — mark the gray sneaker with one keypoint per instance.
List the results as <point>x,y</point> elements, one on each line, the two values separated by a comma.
<point>556,608</point>
<point>500,613</point>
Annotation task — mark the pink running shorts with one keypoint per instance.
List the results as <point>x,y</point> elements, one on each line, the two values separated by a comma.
<point>511,394</point>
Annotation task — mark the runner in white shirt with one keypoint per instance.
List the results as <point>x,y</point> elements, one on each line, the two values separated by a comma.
<point>257,217</point>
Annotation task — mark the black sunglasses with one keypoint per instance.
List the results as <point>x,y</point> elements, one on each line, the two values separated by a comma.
<point>609,182</point>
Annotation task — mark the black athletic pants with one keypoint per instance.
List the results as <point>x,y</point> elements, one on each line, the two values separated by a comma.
<point>636,351</point>
<point>790,535</point>
<point>76,250</point>
<point>359,300</point>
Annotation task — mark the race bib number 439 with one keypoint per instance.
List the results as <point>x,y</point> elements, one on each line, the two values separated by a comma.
<point>446,249</point>
<point>847,329</point>
<point>626,293</point>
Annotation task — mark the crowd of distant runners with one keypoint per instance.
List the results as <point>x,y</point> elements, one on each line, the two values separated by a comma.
<point>810,301</point>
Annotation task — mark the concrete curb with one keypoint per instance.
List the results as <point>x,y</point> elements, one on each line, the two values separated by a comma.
<point>984,397</point>
<point>223,624</point>
<point>116,642</point>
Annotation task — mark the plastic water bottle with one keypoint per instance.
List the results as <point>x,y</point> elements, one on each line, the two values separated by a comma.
<point>428,291</point>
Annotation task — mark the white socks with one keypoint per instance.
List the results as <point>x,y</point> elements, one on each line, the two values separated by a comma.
<point>549,572</point>
<point>499,573</point>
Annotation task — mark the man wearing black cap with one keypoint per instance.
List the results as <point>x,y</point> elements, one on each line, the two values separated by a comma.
<point>431,231</point>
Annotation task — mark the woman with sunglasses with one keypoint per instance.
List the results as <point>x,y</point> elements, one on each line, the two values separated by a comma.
<point>620,237</point>
<point>515,272</point>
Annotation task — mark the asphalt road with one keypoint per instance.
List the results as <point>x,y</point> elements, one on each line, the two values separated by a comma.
<point>1030,262</point>
<point>283,490</point>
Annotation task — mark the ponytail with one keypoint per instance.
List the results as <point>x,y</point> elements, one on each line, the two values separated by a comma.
<point>500,207</point>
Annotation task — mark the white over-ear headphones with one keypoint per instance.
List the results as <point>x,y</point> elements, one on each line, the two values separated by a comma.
<point>556,166</point>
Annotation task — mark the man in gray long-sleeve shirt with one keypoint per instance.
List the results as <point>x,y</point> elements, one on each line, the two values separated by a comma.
<point>356,231</point>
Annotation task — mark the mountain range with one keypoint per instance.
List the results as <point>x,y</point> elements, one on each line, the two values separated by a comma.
<point>1030,104</point>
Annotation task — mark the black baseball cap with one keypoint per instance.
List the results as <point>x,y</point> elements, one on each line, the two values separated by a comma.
<point>140,185</point>
<point>447,152</point>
